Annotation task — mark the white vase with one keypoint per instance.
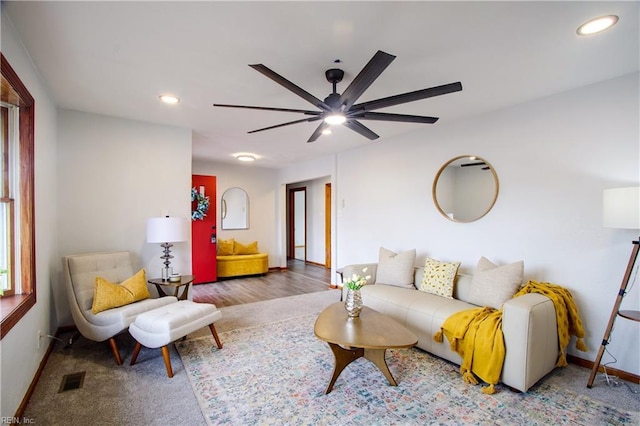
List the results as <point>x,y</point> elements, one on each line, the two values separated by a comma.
<point>353,303</point>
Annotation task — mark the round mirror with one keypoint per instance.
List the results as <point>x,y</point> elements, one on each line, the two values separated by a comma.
<point>465,188</point>
<point>235,209</point>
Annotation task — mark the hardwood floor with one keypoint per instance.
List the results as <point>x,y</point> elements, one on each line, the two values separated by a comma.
<point>299,278</point>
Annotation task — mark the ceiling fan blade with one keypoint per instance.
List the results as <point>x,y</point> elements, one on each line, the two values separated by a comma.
<point>360,128</point>
<point>408,97</point>
<point>365,78</point>
<point>303,111</point>
<point>402,118</point>
<point>290,86</point>
<point>286,124</point>
<point>318,132</point>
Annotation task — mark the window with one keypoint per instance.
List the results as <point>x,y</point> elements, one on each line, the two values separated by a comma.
<point>7,203</point>
<point>17,254</point>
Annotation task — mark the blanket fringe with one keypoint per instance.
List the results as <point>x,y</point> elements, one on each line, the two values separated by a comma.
<point>581,346</point>
<point>468,377</point>
<point>489,390</point>
<point>438,336</point>
<point>562,361</point>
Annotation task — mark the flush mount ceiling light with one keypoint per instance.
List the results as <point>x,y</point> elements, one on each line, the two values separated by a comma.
<point>597,25</point>
<point>169,99</point>
<point>335,119</point>
<point>245,157</point>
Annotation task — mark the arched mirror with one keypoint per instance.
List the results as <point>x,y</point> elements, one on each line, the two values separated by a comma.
<point>235,209</point>
<point>465,188</point>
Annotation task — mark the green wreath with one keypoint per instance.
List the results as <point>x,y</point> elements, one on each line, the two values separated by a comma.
<point>202,205</point>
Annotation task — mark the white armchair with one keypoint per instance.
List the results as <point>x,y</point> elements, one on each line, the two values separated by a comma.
<point>80,272</point>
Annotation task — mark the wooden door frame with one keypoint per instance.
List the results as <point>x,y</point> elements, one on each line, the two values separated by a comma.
<point>327,225</point>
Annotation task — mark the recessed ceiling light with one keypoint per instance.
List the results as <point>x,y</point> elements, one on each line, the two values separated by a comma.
<point>169,99</point>
<point>327,131</point>
<point>245,157</point>
<point>335,118</point>
<point>597,25</point>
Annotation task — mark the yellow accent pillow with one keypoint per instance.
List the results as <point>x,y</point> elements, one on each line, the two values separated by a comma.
<point>251,248</point>
<point>226,247</point>
<point>107,295</point>
<point>438,277</point>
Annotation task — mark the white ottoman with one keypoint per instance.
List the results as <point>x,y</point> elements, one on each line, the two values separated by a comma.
<point>161,326</point>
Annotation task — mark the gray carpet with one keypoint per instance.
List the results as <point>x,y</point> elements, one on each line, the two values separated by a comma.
<point>143,394</point>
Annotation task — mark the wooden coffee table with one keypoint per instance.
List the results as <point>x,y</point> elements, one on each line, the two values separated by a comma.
<point>368,336</point>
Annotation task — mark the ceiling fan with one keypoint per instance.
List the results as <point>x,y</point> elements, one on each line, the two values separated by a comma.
<point>342,108</point>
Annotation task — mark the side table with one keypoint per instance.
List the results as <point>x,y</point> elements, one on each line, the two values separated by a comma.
<point>185,280</point>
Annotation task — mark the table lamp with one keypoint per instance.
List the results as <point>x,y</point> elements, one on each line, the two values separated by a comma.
<point>620,209</point>
<point>167,230</point>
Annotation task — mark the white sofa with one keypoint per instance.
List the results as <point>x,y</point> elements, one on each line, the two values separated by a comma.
<point>528,323</point>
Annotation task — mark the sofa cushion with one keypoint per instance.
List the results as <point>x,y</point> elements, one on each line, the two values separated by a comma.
<point>226,247</point>
<point>438,277</point>
<point>109,295</point>
<point>493,285</point>
<point>251,248</point>
<point>396,268</point>
<point>121,317</point>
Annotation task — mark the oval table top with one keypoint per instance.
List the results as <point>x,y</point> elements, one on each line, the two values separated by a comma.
<point>372,330</point>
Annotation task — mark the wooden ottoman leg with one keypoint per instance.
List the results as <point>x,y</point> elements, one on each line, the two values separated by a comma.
<point>215,335</point>
<point>136,351</point>
<point>167,360</point>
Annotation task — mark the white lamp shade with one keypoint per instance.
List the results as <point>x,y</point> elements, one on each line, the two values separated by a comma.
<point>167,229</point>
<point>621,208</point>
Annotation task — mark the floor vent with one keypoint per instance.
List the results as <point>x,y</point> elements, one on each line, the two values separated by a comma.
<point>72,381</point>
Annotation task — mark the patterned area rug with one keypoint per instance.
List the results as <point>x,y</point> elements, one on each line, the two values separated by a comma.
<point>277,374</point>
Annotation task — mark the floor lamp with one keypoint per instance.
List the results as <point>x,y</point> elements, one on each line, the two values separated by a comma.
<point>167,230</point>
<point>621,209</point>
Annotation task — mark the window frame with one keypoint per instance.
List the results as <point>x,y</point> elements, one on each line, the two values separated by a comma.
<point>14,92</point>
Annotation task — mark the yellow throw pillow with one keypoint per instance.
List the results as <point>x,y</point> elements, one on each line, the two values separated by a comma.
<point>251,248</point>
<point>226,247</point>
<point>107,295</point>
<point>438,277</point>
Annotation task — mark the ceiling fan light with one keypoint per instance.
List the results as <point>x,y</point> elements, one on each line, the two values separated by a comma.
<point>597,25</point>
<point>169,99</point>
<point>246,157</point>
<point>327,131</point>
<point>335,118</point>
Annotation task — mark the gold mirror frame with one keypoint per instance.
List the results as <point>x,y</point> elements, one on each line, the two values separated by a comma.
<point>473,161</point>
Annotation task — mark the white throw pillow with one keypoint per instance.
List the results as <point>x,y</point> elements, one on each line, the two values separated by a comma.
<point>396,268</point>
<point>493,285</point>
<point>438,277</point>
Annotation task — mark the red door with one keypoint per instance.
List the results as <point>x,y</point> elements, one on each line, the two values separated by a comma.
<point>203,232</point>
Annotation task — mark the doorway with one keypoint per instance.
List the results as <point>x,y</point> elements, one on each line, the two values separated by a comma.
<point>309,221</point>
<point>298,223</point>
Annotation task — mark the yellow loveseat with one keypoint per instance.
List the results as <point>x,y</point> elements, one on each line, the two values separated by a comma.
<point>235,259</point>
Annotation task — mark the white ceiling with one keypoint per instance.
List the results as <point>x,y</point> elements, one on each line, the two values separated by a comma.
<point>116,58</point>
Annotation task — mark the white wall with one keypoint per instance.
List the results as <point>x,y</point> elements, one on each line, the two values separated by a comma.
<point>20,355</point>
<point>553,158</point>
<point>260,185</point>
<point>113,174</point>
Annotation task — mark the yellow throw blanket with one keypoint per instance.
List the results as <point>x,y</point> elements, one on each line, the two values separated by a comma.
<point>567,316</point>
<point>476,334</point>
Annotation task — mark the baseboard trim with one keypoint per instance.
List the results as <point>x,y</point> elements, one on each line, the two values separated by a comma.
<point>629,377</point>
<point>43,362</point>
